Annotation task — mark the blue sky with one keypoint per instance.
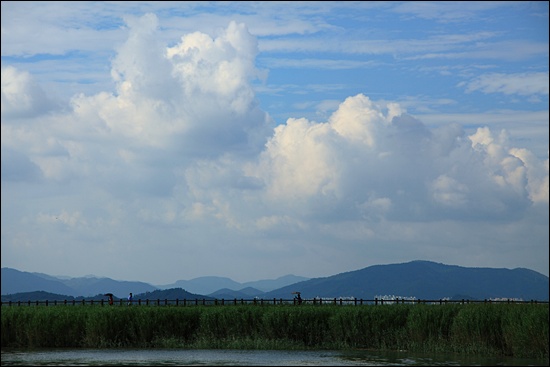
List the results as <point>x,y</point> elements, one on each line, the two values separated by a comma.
<point>158,141</point>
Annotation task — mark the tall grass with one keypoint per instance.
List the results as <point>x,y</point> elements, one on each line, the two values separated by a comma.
<point>519,330</point>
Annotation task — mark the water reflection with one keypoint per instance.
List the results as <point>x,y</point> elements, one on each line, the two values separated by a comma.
<point>180,357</point>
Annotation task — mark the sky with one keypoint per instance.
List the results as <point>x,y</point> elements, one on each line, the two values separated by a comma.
<point>164,141</point>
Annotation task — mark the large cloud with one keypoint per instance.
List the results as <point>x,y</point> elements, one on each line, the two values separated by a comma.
<point>171,104</point>
<point>22,96</point>
<point>373,157</point>
<point>193,95</point>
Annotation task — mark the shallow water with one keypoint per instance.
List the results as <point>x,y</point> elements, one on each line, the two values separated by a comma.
<point>183,357</point>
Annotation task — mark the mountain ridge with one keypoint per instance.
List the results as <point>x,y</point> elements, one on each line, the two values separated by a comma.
<point>418,279</point>
<point>422,279</point>
<point>211,284</point>
<point>16,281</point>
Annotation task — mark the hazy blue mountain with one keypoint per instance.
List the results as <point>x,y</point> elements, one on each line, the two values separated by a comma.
<point>271,284</point>
<point>424,280</point>
<point>418,279</point>
<point>211,284</point>
<point>204,285</point>
<point>15,281</point>
<point>91,286</point>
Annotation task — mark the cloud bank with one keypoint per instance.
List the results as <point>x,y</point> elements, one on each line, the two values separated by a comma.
<point>180,159</point>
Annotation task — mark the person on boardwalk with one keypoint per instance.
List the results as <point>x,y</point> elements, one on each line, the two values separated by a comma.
<point>110,295</point>
<point>130,298</point>
<point>297,298</point>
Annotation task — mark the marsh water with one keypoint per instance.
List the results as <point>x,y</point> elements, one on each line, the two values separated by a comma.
<point>183,357</point>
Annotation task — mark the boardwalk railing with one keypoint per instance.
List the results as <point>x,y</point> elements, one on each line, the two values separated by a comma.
<point>261,302</point>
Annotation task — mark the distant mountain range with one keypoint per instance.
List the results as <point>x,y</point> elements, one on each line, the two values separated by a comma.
<point>415,279</point>
<point>425,280</point>
<point>15,281</point>
<point>210,284</point>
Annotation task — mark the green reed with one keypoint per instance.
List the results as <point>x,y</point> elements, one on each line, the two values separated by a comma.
<point>519,330</point>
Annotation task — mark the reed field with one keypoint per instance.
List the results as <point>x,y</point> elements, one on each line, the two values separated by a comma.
<point>515,330</point>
